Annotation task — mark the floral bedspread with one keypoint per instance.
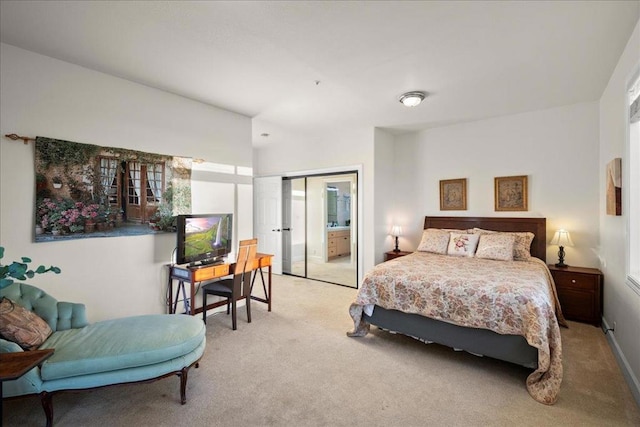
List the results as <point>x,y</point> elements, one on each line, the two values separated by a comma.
<point>507,297</point>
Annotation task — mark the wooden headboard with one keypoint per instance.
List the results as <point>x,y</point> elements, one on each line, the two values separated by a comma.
<point>538,226</point>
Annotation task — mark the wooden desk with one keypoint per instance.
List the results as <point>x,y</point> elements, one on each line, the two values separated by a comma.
<point>195,275</point>
<point>15,365</point>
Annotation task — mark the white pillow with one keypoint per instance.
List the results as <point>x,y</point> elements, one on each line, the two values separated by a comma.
<point>497,246</point>
<point>463,244</point>
<point>434,240</point>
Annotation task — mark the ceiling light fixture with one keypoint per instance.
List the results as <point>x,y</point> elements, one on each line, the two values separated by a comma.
<point>412,99</point>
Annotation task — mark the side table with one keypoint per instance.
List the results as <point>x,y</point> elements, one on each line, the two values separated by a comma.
<point>388,256</point>
<point>15,365</point>
<point>580,292</point>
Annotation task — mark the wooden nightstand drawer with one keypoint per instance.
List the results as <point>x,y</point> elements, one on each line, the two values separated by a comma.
<point>580,293</point>
<point>587,282</point>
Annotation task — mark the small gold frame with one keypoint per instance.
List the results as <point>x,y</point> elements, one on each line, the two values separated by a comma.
<point>511,193</point>
<point>453,194</point>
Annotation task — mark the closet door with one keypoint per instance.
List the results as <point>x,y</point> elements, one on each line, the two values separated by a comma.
<point>294,227</point>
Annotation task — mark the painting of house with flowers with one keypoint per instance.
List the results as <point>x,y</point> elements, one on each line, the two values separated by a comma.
<point>85,190</point>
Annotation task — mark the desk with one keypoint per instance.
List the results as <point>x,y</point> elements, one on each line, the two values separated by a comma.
<point>193,275</point>
<point>15,365</point>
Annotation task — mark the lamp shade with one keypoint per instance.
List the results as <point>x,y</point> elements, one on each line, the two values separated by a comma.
<point>561,238</point>
<point>396,230</point>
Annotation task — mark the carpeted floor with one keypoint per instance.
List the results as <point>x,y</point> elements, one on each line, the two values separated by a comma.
<point>296,367</point>
<point>339,270</point>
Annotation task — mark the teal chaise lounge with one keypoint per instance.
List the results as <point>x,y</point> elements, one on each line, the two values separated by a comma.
<point>126,350</point>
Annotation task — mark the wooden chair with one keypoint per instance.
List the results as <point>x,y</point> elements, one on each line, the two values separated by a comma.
<point>236,287</point>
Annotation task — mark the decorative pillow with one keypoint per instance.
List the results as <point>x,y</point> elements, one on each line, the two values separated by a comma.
<point>22,326</point>
<point>434,240</point>
<point>497,246</point>
<point>522,246</point>
<point>522,243</point>
<point>463,244</point>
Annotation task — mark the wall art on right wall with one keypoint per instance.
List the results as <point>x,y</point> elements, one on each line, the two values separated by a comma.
<point>511,193</point>
<point>614,187</point>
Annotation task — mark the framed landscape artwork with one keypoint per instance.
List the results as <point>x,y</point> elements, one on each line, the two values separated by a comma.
<point>453,195</point>
<point>614,187</point>
<point>511,193</point>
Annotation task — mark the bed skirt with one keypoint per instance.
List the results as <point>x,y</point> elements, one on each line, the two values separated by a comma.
<point>509,348</point>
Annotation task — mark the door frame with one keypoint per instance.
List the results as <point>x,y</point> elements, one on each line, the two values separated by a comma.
<point>360,204</point>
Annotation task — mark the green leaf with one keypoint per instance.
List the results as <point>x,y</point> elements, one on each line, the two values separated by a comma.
<point>20,270</point>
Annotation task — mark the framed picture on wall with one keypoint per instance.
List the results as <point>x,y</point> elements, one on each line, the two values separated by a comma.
<point>453,194</point>
<point>614,187</point>
<point>511,193</point>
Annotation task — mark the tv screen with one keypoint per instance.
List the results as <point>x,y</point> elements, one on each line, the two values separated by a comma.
<point>204,238</point>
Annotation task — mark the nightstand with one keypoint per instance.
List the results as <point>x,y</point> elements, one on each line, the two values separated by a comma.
<point>580,293</point>
<point>393,254</point>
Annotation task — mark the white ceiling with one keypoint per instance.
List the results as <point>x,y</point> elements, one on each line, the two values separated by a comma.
<point>476,59</point>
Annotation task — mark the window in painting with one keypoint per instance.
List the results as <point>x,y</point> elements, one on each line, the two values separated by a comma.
<point>133,185</point>
<point>155,180</point>
<point>109,179</point>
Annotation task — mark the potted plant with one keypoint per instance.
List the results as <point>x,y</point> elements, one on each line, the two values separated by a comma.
<point>20,270</point>
<point>41,182</point>
<point>57,182</point>
<point>90,212</point>
<point>102,219</point>
<point>119,217</point>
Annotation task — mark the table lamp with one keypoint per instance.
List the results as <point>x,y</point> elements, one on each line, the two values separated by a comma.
<point>562,239</point>
<point>396,231</point>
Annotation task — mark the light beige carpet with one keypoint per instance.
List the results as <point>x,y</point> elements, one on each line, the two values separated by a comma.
<point>296,367</point>
<point>339,270</point>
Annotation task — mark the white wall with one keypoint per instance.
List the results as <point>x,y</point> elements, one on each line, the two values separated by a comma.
<point>556,148</point>
<point>386,187</point>
<point>621,304</point>
<point>41,96</point>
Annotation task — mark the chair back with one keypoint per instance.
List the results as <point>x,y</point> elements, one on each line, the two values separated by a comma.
<point>247,251</point>
<point>244,266</point>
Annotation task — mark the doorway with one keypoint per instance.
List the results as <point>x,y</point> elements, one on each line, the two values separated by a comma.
<point>320,230</point>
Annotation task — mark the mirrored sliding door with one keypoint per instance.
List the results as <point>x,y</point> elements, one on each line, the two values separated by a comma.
<point>320,227</point>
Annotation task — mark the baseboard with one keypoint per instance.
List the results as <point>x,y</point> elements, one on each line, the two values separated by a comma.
<point>628,374</point>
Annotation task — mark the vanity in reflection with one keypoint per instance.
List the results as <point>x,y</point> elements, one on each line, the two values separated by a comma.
<point>338,242</point>
<point>338,236</point>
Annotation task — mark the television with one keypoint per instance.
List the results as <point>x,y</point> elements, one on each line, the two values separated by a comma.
<point>204,238</point>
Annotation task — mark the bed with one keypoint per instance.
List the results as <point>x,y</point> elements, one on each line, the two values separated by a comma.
<point>506,310</point>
